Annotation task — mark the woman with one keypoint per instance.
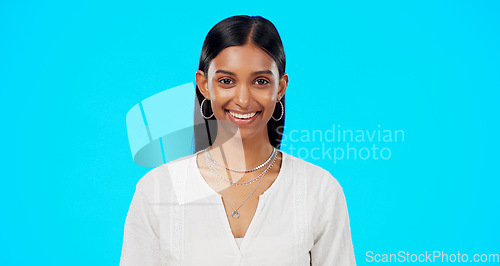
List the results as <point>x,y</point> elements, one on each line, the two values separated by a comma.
<point>239,200</point>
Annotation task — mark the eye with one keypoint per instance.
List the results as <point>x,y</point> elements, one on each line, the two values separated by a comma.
<point>262,82</point>
<point>225,81</point>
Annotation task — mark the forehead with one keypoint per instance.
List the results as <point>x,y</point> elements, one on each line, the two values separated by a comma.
<point>243,58</point>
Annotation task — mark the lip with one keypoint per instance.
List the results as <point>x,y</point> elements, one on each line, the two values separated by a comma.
<point>239,121</point>
<point>241,112</point>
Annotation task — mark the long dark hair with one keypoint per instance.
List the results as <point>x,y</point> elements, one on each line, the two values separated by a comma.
<point>238,31</point>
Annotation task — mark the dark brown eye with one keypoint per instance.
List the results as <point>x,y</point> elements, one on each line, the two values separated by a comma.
<point>262,82</point>
<point>225,81</point>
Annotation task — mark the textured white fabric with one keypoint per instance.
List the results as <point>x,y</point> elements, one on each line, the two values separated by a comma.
<point>238,241</point>
<point>176,218</point>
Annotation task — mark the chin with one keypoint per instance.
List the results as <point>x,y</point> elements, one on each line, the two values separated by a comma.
<point>242,132</point>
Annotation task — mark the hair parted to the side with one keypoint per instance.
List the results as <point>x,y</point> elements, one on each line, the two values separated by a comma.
<point>238,31</point>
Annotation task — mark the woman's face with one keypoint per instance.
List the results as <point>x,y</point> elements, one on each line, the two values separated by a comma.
<point>243,87</point>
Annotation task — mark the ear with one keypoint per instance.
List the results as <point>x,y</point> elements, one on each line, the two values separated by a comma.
<point>202,83</point>
<point>282,86</point>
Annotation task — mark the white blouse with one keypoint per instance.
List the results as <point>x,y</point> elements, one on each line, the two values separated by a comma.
<point>176,218</point>
<point>238,241</point>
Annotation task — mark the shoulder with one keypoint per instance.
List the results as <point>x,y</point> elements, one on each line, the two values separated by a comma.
<point>165,173</point>
<point>319,180</point>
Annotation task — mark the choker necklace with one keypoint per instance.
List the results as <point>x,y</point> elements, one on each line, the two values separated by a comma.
<point>238,183</point>
<point>240,171</point>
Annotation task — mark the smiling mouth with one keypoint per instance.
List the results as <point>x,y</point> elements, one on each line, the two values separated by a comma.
<point>243,115</point>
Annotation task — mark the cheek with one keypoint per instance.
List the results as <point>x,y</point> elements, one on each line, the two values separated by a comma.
<point>219,95</point>
<point>221,98</point>
<point>267,99</point>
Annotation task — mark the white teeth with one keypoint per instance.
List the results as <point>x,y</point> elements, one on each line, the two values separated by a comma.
<point>243,116</point>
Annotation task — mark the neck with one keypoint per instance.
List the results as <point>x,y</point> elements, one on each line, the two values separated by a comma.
<point>241,153</point>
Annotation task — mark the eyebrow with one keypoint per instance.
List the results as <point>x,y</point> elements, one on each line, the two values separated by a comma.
<point>253,74</point>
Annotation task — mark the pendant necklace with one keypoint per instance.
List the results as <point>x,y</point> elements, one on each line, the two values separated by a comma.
<point>235,213</point>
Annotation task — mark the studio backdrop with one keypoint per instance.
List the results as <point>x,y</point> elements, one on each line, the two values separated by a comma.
<point>397,99</point>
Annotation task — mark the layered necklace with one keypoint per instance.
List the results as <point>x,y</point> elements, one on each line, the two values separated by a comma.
<point>210,160</point>
<point>240,171</point>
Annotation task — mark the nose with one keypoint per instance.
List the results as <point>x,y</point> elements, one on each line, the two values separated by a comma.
<point>242,96</point>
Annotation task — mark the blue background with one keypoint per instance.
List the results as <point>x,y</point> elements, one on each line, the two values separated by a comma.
<point>70,71</point>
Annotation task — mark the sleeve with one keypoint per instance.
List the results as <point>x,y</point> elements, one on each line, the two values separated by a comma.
<point>332,243</point>
<point>140,240</point>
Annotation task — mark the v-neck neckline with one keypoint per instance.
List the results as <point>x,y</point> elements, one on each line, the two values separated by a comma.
<point>260,204</point>
<point>267,192</point>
